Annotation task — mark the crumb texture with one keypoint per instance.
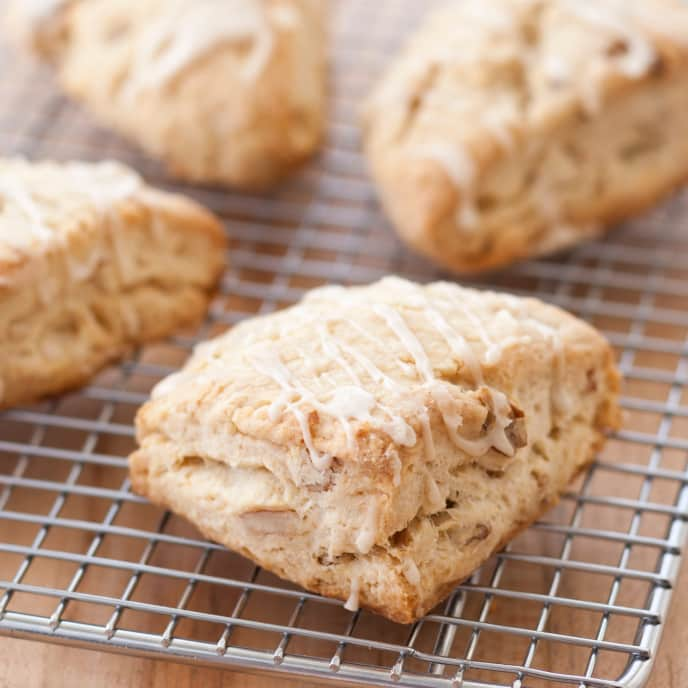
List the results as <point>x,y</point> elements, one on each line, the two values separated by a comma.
<point>517,127</point>
<point>92,263</point>
<point>381,440</point>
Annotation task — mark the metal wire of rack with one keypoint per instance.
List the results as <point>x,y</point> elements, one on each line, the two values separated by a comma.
<point>578,599</point>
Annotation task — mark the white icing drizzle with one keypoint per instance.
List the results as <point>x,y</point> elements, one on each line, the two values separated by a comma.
<point>190,29</point>
<point>352,602</point>
<point>556,69</point>
<point>102,185</point>
<point>268,363</point>
<point>346,403</point>
<point>458,344</point>
<point>39,11</point>
<point>396,427</point>
<point>495,437</point>
<point>495,352</point>
<point>366,537</point>
<point>337,540</point>
<point>458,164</point>
<point>333,349</point>
<point>350,402</point>
<point>36,232</point>
<point>380,344</point>
<point>398,325</point>
<point>479,328</point>
<point>331,344</point>
<point>496,16</point>
<point>616,17</point>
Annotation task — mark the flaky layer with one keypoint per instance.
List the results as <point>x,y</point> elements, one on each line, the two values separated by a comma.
<point>63,347</point>
<point>280,462</point>
<point>484,155</point>
<point>402,578</point>
<point>92,263</point>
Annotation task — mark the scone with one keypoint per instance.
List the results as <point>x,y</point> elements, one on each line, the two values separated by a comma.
<point>93,262</point>
<point>377,444</point>
<point>512,128</point>
<point>225,91</point>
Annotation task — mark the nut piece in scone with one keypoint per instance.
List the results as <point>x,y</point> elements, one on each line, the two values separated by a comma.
<point>513,128</point>
<point>224,91</point>
<point>92,263</point>
<point>378,444</point>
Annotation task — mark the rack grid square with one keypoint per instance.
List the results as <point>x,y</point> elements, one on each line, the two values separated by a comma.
<point>578,599</point>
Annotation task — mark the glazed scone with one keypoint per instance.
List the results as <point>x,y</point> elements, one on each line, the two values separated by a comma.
<point>225,91</point>
<point>513,128</point>
<point>92,263</point>
<point>377,444</point>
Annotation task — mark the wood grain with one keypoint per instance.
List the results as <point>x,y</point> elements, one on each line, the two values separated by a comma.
<point>25,664</point>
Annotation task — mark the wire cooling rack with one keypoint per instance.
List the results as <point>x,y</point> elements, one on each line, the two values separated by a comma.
<point>579,599</point>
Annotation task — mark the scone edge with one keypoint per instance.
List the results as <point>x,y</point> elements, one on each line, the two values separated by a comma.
<point>396,598</point>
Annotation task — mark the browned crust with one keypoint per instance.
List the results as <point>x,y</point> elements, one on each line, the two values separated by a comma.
<point>609,217</point>
<point>402,603</point>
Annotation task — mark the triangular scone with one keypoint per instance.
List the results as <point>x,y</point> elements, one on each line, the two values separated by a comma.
<point>512,128</point>
<point>224,91</point>
<point>377,444</point>
<point>93,262</point>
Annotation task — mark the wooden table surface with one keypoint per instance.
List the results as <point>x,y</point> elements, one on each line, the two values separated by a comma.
<point>25,664</point>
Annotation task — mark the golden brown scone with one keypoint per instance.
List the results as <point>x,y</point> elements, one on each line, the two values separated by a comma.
<point>513,128</point>
<point>377,444</point>
<point>93,262</point>
<point>224,91</point>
